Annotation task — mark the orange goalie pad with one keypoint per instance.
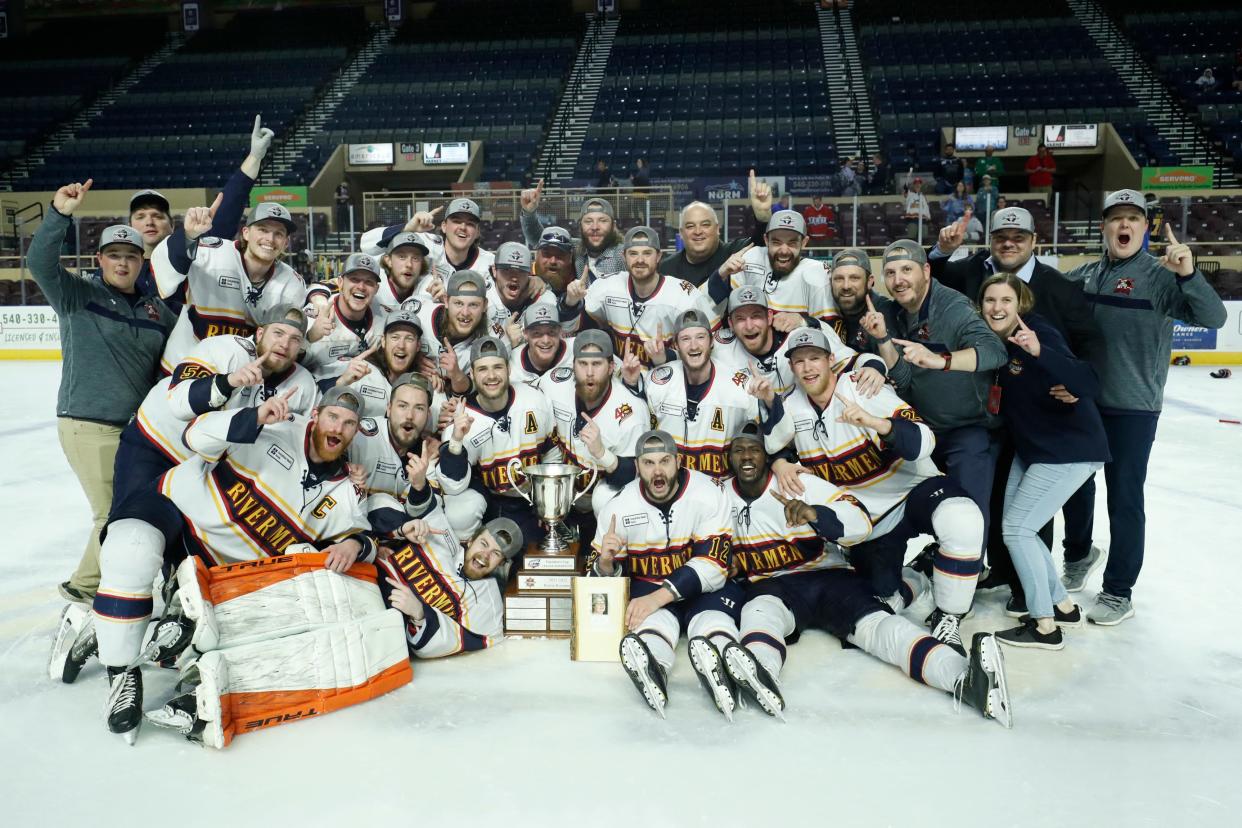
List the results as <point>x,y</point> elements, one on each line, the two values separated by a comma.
<point>221,583</point>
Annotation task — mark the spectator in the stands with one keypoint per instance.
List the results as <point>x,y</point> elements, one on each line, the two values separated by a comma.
<point>641,175</point>
<point>342,207</point>
<point>974,227</point>
<point>916,209</point>
<point>1040,168</point>
<point>603,176</point>
<point>821,221</point>
<point>989,164</point>
<point>949,170</point>
<point>957,203</point>
<point>849,178</point>
<point>986,196</point>
<point>1206,82</point>
<point>786,203</point>
<point>1001,203</point>
<point>880,180</point>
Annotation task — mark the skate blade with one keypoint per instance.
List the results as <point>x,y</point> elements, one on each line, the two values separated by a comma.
<point>630,657</point>
<point>713,677</point>
<point>172,720</point>
<point>742,672</point>
<point>998,698</point>
<point>130,736</point>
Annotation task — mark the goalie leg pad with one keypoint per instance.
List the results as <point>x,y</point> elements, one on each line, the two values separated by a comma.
<point>129,560</point>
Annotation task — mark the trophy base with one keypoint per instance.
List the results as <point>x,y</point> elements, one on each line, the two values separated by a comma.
<point>558,541</point>
<point>539,597</point>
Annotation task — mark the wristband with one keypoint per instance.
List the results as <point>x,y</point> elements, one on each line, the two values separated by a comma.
<point>608,461</point>
<point>455,446</point>
<point>887,338</point>
<point>948,360</point>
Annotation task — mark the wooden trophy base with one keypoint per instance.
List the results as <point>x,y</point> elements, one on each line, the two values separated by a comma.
<point>539,596</point>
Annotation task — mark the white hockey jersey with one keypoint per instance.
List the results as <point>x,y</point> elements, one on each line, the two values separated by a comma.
<point>176,400</point>
<point>524,429</point>
<point>686,541</point>
<point>620,415</point>
<point>611,299</point>
<point>852,457</point>
<point>220,298</point>
<point>461,615</point>
<point>522,370</point>
<point>499,314</point>
<point>774,367</point>
<point>702,430</point>
<point>805,290</point>
<point>249,491</point>
<point>764,546</point>
<point>388,485</point>
<point>328,357</point>
<point>386,301</point>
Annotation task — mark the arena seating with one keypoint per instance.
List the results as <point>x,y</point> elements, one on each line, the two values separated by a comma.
<point>680,83</point>
<point>187,124</point>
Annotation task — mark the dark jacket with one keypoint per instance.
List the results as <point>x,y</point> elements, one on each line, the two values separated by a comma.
<point>676,264</point>
<point>1058,300</point>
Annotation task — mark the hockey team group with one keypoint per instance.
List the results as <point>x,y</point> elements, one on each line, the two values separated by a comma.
<point>317,483</point>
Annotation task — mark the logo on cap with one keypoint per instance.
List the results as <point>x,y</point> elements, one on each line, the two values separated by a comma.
<point>366,261</point>
<point>515,255</point>
<point>785,219</point>
<point>123,233</point>
<point>1009,218</point>
<point>748,295</point>
<point>1123,196</point>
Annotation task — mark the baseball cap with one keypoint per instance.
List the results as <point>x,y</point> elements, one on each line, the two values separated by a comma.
<point>655,441</point>
<point>361,262</point>
<point>807,338</point>
<point>1125,198</point>
<point>747,295</point>
<point>403,318</point>
<point>514,255</point>
<point>464,205</point>
<point>488,346</point>
<point>596,339</point>
<point>466,283</point>
<point>343,396</point>
<point>271,211</point>
<point>155,197</point>
<point>403,239</point>
<point>540,313</point>
<point>904,249</point>
<point>1013,218</point>
<point>692,319</point>
<point>287,314</point>
<point>787,220</point>
<point>557,237</point>
<point>852,256</point>
<point>414,379</point>
<point>750,432</point>
<point>596,205</point>
<point>121,234</point>
<point>507,536</point>
<point>641,237</point>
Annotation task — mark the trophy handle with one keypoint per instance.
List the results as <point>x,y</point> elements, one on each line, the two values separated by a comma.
<point>515,468</point>
<point>593,471</point>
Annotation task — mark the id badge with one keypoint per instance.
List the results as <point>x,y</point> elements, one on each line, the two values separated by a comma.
<point>994,399</point>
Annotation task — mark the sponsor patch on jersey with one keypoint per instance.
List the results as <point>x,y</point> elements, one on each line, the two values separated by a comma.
<point>623,410</point>
<point>673,410</point>
<point>563,413</point>
<point>804,425</point>
<point>341,353</point>
<point>210,241</point>
<point>756,269</point>
<point>371,391</point>
<point>482,438</point>
<point>562,374</point>
<point>281,456</point>
<point>617,301</point>
<point>661,375</point>
<point>229,281</point>
<point>634,520</point>
<point>387,468</point>
<point>368,426</point>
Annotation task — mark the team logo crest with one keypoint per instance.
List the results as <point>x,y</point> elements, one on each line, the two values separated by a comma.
<point>724,336</point>
<point>686,286</point>
<point>624,410</point>
<point>661,375</point>
<point>411,305</point>
<point>740,378</point>
<point>152,312</point>
<point>562,374</point>
<point>923,332</point>
<point>1015,366</point>
<point>368,426</point>
<point>1124,286</point>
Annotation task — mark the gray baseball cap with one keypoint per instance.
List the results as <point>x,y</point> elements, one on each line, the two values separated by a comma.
<point>691,319</point>
<point>903,249</point>
<point>1013,218</point>
<point>121,234</point>
<point>655,441</point>
<point>513,255</point>
<point>417,380</point>
<point>464,205</point>
<point>595,339</point>
<point>403,318</point>
<point>787,220</point>
<point>488,346</point>
<point>361,262</point>
<point>807,338</point>
<point>271,211</point>
<point>596,205</point>
<point>540,313</point>
<point>149,197</point>
<point>750,432</point>
<point>291,315</point>
<point>641,237</point>
<point>343,396</point>
<point>1125,198</point>
<point>507,536</point>
<point>852,256</point>
<point>557,237</point>
<point>745,296</point>
<point>404,239</point>
<point>466,283</point>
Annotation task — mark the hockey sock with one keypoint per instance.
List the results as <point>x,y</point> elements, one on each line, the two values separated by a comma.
<point>904,644</point>
<point>765,623</point>
<point>958,524</point>
<point>129,560</point>
<point>660,633</point>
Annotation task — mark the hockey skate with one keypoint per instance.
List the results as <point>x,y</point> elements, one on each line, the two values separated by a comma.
<point>753,679</point>
<point>705,659</point>
<point>645,672</point>
<point>180,714</point>
<point>124,709</point>
<point>172,635</point>
<point>983,685</point>
<point>945,628</point>
<point>74,643</point>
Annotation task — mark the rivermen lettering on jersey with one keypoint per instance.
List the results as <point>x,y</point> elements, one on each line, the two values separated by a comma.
<point>702,429</point>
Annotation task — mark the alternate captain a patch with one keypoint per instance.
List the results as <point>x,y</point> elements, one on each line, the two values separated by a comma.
<point>1124,286</point>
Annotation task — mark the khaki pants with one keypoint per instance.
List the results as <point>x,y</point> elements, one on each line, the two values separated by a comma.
<point>90,449</point>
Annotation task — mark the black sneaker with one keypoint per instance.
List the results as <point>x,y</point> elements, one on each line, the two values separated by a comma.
<point>1028,635</point>
<point>992,582</point>
<point>75,595</point>
<point>1015,607</point>
<point>1072,618</point>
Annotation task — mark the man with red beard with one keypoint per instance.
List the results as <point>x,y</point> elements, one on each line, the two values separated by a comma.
<point>545,348</point>
<point>512,292</point>
<point>261,480</point>
<point>853,292</point>
<point>554,259</point>
<point>598,249</point>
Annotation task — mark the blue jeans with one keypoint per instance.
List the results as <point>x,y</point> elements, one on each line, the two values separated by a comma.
<point>1033,495</point>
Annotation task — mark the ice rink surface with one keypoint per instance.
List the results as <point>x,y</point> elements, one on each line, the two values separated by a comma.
<point>1139,724</point>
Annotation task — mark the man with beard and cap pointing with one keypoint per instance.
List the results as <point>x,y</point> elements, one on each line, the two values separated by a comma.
<point>598,249</point>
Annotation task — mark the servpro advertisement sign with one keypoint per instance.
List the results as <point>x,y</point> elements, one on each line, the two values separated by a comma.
<point>1177,178</point>
<point>291,197</point>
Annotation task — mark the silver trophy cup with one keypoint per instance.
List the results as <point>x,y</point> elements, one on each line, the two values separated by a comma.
<point>550,489</point>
